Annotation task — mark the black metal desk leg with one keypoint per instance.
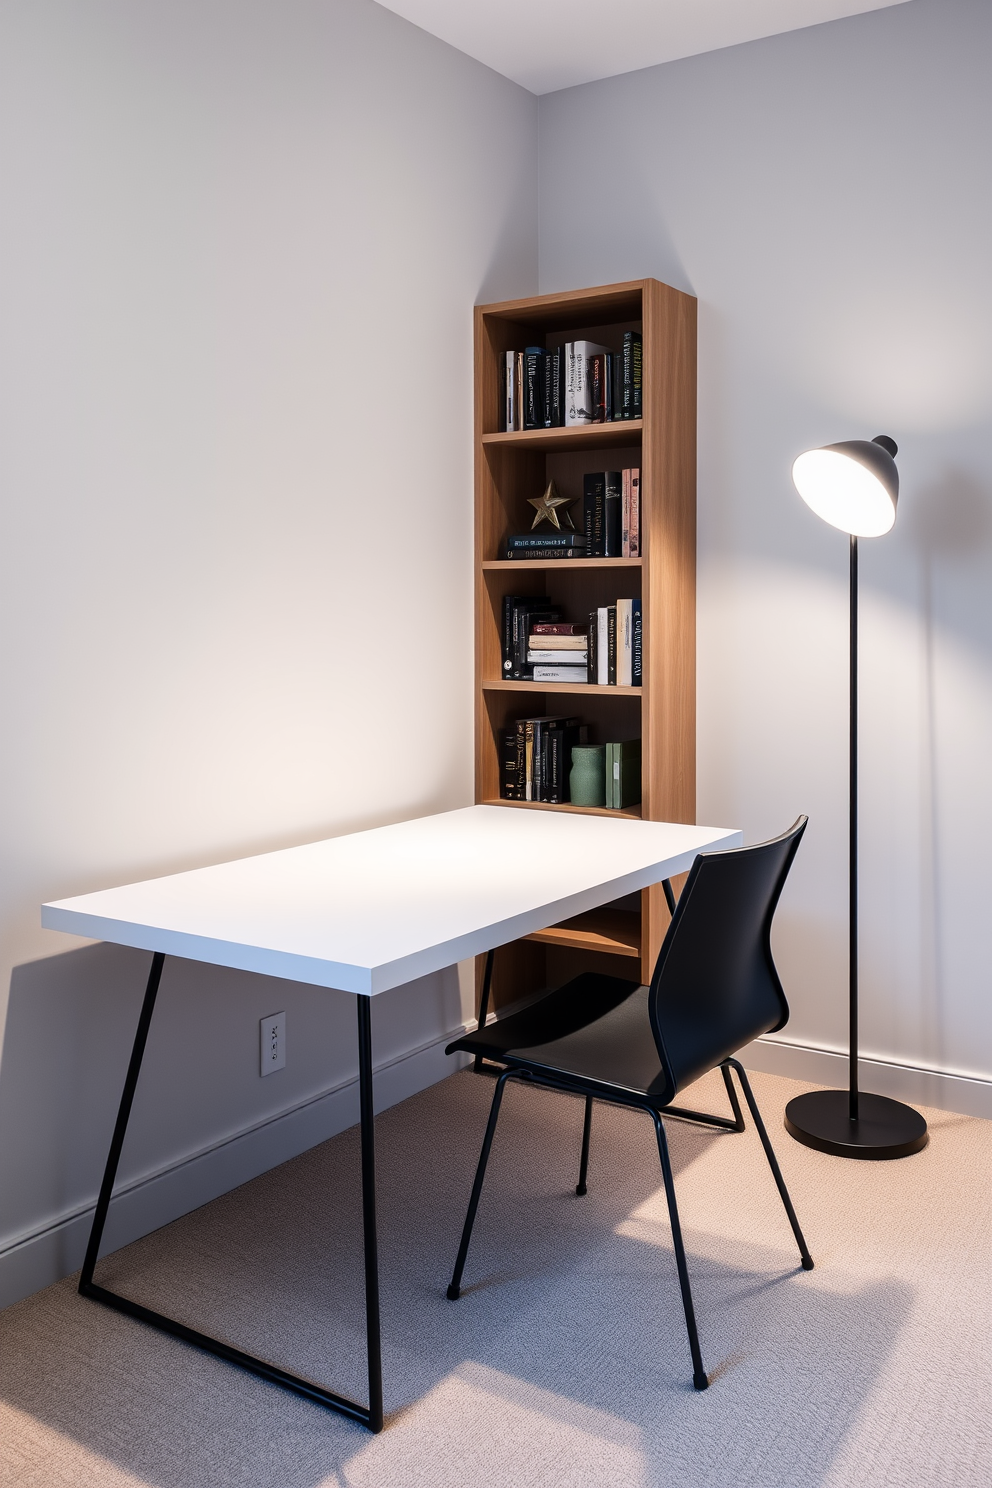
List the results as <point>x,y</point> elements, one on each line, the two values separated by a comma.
<point>368,1212</point>
<point>123,1116</point>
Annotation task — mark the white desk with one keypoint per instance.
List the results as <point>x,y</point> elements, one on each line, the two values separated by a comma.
<point>364,913</point>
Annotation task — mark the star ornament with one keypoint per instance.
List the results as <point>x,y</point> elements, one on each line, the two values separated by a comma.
<point>551,506</point>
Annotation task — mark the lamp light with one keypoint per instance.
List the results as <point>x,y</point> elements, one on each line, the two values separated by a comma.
<point>854,486</point>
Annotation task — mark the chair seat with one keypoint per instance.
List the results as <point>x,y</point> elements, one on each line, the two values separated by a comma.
<point>595,1028</point>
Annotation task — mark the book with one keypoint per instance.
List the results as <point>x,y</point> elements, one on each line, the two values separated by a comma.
<point>625,637</point>
<point>508,765</point>
<point>594,512</point>
<point>554,640</point>
<point>625,516</point>
<point>509,600</point>
<point>593,645</point>
<point>518,389</point>
<point>548,537</point>
<point>612,493</point>
<point>533,376</point>
<point>556,386</point>
<point>635,514</point>
<point>548,672</point>
<point>616,375</point>
<point>636,644</point>
<point>597,378</point>
<point>539,656</point>
<point>578,381</point>
<point>545,553</point>
<point>603,646</point>
<point>623,774</point>
<point>608,380</point>
<point>558,741</point>
<point>611,642</point>
<point>530,754</point>
<point>509,391</point>
<point>558,628</point>
<point>632,373</point>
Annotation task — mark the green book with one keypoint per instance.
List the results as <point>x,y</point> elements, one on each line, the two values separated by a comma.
<point>623,774</point>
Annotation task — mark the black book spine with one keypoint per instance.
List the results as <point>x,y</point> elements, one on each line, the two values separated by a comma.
<point>636,645</point>
<point>632,372</point>
<point>521,762</point>
<point>611,631</point>
<point>552,763</point>
<point>613,514</point>
<point>547,390</point>
<point>593,643</point>
<point>617,385</point>
<point>508,764</point>
<point>533,393</point>
<point>608,388</point>
<point>537,765</point>
<point>509,600</point>
<point>594,512</point>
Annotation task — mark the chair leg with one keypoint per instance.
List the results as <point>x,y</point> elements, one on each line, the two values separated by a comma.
<point>454,1290</point>
<point>580,1187</point>
<point>699,1379</point>
<point>734,1102</point>
<point>807,1259</point>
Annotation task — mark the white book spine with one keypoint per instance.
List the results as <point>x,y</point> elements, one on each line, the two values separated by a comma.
<point>558,658</point>
<point>570,419</point>
<point>511,387</point>
<point>625,637</point>
<point>561,674</point>
<point>603,646</point>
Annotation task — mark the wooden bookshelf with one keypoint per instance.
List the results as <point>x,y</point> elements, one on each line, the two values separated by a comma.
<point>509,468</point>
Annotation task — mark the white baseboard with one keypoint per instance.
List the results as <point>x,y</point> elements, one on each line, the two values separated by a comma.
<point>970,1095</point>
<point>55,1248</point>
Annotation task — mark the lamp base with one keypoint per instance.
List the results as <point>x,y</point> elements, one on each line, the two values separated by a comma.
<point>884,1128</point>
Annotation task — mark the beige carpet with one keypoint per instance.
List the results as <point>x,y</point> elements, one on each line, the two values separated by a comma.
<point>565,1362</point>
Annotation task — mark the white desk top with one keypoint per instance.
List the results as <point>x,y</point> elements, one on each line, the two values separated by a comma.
<point>372,910</point>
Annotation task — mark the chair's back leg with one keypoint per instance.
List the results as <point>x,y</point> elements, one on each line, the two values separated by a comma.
<point>735,1104</point>
<point>807,1259</point>
<point>698,1372</point>
<point>580,1187</point>
<point>454,1290</point>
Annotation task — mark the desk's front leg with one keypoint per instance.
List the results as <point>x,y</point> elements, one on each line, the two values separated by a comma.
<point>368,1211</point>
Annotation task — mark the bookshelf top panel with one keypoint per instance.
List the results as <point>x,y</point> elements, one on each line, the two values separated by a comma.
<point>586,436</point>
<point>600,306</point>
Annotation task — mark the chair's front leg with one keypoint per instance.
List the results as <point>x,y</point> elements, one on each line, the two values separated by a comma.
<point>454,1290</point>
<point>699,1379</point>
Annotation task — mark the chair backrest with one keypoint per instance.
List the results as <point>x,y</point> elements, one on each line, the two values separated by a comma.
<point>715,986</point>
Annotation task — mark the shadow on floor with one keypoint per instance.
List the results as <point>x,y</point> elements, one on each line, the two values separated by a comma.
<point>567,1350</point>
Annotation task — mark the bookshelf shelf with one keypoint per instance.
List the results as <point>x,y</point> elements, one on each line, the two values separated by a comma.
<point>510,565</point>
<point>615,931</point>
<point>571,687</point>
<point>634,812</point>
<point>511,469</point>
<point>592,436</point>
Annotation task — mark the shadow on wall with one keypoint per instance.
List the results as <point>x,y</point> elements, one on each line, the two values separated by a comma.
<point>70,1025</point>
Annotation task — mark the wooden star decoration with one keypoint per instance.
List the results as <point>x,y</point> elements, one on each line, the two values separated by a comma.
<point>551,506</point>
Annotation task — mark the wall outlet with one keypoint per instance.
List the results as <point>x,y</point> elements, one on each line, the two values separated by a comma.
<point>272,1033</point>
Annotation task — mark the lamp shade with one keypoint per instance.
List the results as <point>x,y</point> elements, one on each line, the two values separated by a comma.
<point>853,486</point>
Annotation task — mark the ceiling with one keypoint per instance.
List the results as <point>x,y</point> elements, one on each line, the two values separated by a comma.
<point>550,44</point>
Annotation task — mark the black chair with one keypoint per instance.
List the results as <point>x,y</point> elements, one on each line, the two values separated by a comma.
<point>714,989</point>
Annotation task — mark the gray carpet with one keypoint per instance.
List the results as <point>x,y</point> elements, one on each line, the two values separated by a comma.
<point>565,1362</point>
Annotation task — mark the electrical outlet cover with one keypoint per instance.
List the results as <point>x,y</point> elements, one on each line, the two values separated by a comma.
<point>272,1050</point>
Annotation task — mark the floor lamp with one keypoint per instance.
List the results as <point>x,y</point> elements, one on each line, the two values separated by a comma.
<point>854,486</point>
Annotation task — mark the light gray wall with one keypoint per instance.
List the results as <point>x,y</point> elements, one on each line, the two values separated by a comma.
<point>826,195</point>
<point>241,241</point>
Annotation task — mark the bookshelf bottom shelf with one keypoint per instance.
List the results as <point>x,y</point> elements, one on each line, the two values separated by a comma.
<point>616,931</point>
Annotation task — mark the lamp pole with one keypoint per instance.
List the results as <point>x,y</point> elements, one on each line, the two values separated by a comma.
<point>852,871</point>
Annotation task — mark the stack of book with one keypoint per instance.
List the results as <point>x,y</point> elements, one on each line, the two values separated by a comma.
<point>536,758</point>
<point>540,645</point>
<point>615,644</point>
<point>547,544</point>
<point>572,385</point>
<point>558,651</point>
